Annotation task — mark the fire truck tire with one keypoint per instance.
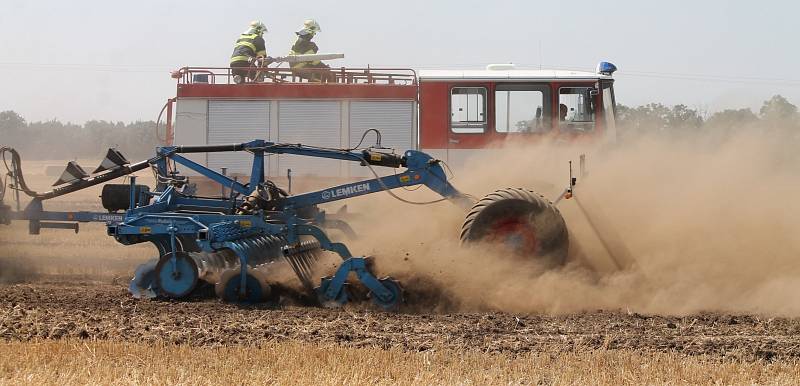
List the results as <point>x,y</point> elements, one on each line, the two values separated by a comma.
<point>526,222</point>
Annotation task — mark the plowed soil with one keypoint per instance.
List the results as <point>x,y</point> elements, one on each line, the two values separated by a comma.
<point>91,310</point>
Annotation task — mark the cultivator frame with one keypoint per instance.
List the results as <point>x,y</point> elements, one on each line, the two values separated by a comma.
<point>192,234</point>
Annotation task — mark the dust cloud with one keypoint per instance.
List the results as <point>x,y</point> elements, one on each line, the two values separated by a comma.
<point>710,224</point>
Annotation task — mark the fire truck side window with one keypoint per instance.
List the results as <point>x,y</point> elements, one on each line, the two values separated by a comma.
<point>575,110</point>
<point>521,109</point>
<point>468,110</point>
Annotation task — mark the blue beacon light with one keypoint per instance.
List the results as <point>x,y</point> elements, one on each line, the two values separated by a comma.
<point>606,68</point>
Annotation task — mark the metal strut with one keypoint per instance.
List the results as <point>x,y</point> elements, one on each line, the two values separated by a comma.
<point>616,249</point>
<point>386,292</point>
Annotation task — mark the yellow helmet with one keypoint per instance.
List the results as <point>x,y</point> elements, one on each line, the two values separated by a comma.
<point>310,26</point>
<point>256,27</point>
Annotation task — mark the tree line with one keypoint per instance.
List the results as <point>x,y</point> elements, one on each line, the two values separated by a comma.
<point>775,114</point>
<point>137,140</point>
<point>56,140</point>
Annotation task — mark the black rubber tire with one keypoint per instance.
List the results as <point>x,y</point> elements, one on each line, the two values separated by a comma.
<point>530,214</point>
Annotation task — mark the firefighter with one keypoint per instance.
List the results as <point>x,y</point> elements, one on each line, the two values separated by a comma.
<point>249,49</point>
<point>304,46</point>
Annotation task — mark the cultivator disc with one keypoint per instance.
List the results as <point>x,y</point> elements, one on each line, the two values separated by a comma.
<point>176,275</point>
<point>229,287</point>
<point>143,285</point>
<point>211,266</point>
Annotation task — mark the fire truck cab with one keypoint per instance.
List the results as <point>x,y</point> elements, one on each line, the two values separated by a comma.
<point>451,114</point>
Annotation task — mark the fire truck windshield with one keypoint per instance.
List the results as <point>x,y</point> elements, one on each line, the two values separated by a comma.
<point>576,110</point>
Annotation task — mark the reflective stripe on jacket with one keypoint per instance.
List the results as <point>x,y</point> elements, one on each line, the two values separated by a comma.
<point>248,46</point>
<point>304,46</point>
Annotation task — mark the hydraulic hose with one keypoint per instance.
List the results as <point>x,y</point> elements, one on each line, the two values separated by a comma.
<point>16,170</point>
<point>158,122</point>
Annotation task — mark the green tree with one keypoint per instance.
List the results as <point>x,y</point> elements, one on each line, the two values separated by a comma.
<point>652,117</point>
<point>778,111</point>
<point>680,117</point>
<point>10,120</point>
<point>731,119</point>
<point>54,139</point>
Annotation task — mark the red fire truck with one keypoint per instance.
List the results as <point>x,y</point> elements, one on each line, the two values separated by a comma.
<point>450,114</point>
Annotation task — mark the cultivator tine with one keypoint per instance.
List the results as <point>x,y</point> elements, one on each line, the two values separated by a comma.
<point>300,271</point>
<point>308,260</point>
<point>295,268</point>
<point>301,258</point>
<point>262,247</point>
<point>306,270</point>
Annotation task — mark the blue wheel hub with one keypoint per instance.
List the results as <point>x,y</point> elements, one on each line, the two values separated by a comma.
<point>176,275</point>
<point>254,290</point>
<point>392,302</point>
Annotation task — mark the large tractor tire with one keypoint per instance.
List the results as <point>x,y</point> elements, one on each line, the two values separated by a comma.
<point>527,223</point>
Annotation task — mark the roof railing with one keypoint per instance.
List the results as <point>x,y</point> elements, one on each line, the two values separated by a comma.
<point>281,75</point>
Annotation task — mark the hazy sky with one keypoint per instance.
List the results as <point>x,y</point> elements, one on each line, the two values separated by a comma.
<point>77,60</point>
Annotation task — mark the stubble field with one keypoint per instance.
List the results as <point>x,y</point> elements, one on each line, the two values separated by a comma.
<point>69,319</point>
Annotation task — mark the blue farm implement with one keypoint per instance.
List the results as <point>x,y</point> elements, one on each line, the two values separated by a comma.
<point>230,241</point>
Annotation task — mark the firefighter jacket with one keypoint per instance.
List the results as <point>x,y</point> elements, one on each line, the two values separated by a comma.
<point>304,46</point>
<point>248,46</point>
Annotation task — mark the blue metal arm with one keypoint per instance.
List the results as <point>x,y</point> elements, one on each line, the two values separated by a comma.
<point>422,169</point>
<point>213,175</point>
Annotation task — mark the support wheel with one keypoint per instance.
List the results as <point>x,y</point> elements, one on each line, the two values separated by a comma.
<point>527,223</point>
<point>392,303</point>
<point>176,275</point>
<point>143,285</point>
<point>230,283</point>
